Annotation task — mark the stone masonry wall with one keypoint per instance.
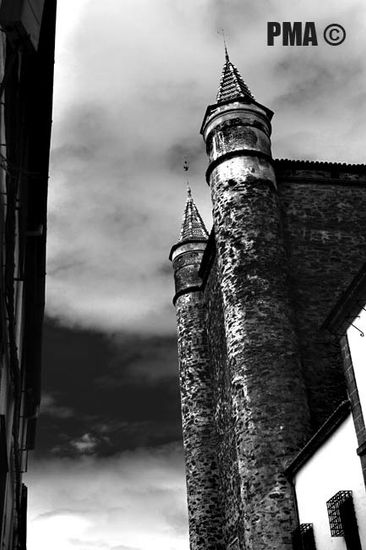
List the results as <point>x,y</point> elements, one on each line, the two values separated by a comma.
<point>199,434</point>
<point>325,235</point>
<point>268,394</point>
<point>223,413</point>
<point>324,230</point>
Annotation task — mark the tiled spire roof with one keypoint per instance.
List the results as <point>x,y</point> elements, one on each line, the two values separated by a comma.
<point>193,227</point>
<point>232,86</point>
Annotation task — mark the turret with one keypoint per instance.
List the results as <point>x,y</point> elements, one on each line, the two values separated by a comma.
<point>196,385</point>
<point>187,254</point>
<point>237,125</point>
<point>268,396</point>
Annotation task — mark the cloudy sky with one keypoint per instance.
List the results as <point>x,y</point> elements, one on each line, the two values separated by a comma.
<point>133,79</point>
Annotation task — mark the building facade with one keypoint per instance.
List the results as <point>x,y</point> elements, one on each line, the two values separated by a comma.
<point>259,374</point>
<point>329,487</point>
<point>26,66</point>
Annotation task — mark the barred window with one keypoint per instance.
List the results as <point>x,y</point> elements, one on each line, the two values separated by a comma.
<point>342,519</point>
<point>303,537</point>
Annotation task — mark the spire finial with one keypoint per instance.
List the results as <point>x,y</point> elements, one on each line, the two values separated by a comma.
<point>222,32</point>
<point>192,225</point>
<point>186,168</point>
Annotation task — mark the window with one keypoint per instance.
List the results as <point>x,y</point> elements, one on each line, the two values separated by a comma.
<point>303,537</point>
<point>342,519</point>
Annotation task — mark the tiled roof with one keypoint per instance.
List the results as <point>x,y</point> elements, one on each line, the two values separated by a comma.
<point>232,86</point>
<point>193,227</point>
<point>313,164</point>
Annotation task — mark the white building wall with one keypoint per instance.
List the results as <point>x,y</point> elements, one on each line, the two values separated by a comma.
<point>334,467</point>
<point>357,345</point>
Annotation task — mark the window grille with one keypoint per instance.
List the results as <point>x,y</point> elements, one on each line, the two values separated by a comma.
<point>334,512</point>
<point>303,537</point>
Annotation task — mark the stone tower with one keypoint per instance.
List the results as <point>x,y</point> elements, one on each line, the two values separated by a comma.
<point>258,374</point>
<point>268,397</point>
<point>195,383</point>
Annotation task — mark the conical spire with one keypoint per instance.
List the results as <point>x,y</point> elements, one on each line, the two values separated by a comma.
<point>232,86</point>
<point>193,228</point>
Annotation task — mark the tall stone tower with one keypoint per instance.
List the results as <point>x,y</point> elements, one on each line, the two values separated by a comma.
<point>267,389</point>
<point>258,375</point>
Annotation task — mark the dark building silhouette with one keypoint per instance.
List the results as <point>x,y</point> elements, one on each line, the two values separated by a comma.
<point>26,66</point>
<point>259,373</point>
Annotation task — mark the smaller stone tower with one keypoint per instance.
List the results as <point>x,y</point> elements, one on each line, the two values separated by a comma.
<point>199,440</point>
<point>186,255</point>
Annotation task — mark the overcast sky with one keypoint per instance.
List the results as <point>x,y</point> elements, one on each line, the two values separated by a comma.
<point>133,79</point>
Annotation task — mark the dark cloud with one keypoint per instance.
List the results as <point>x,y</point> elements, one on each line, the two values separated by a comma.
<point>103,394</point>
<point>50,408</point>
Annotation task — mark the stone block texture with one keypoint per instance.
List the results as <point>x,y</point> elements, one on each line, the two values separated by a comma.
<point>324,221</point>
<point>258,374</point>
<point>270,374</point>
<point>205,511</point>
<point>269,413</point>
<point>224,421</point>
<point>294,370</point>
